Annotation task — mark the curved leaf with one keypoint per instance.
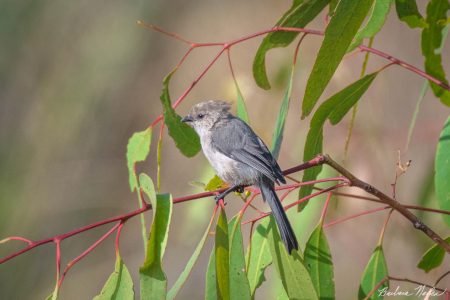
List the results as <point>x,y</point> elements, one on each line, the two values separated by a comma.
<point>119,285</point>
<point>407,12</point>
<point>138,149</point>
<point>319,263</point>
<point>338,36</point>
<point>214,183</point>
<point>190,264</point>
<point>433,257</point>
<point>442,170</point>
<point>222,257</point>
<point>376,270</point>
<point>152,277</point>
<point>299,15</point>
<point>333,109</point>
<point>293,273</point>
<point>378,15</point>
<point>239,285</point>
<point>431,45</point>
<point>258,256</point>
<point>185,138</point>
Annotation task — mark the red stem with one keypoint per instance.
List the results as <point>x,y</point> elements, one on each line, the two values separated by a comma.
<point>227,45</point>
<point>86,252</point>
<point>119,231</point>
<point>298,201</point>
<point>366,212</point>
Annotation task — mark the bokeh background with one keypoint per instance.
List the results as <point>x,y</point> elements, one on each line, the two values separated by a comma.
<point>77,78</point>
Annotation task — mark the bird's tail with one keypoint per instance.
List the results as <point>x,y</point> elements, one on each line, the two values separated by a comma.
<point>285,228</point>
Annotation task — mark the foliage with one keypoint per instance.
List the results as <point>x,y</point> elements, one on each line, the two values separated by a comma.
<point>231,274</point>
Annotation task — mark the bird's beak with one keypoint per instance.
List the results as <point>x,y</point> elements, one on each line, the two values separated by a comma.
<point>187,119</point>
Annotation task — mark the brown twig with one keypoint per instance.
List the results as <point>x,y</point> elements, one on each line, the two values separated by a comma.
<point>354,181</point>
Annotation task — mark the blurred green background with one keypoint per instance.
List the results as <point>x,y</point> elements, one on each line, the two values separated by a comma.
<point>77,78</point>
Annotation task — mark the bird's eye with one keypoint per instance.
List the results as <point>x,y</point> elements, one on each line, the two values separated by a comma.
<point>200,116</point>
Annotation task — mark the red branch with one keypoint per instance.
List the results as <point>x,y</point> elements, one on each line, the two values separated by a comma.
<point>123,218</point>
<point>227,45</point>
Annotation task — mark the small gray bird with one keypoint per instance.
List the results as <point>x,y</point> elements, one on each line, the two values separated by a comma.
<point>240,158</point>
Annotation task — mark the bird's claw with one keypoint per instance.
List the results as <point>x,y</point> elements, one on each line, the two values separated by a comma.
<point>240,189</point>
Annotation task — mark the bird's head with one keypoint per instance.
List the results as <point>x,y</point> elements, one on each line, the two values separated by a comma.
<point>204,115</point>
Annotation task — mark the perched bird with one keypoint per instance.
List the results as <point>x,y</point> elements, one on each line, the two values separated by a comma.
<point>240,158</point>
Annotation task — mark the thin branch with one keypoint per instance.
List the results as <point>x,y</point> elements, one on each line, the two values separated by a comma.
<point>418,224</point>
<point>287,207</point>
<point>366,212</point>
<point>86,252</point>
<point>441,277</point>
<point>227,45</point>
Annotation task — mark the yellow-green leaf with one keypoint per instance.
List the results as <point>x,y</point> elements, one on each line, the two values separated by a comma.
<point>137,150</point>
<point>214,184</point>
<point>376,270</point>
<point>119,285</point>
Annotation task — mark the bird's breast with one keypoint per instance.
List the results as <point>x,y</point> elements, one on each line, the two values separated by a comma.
<point>228,169</point>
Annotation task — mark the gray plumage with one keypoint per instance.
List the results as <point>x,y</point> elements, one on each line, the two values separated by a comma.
<point>240,157</point>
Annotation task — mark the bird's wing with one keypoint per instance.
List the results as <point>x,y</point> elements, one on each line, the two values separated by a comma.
<point>237,140</point>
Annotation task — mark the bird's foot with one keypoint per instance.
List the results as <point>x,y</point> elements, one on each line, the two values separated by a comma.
<point>219,197</point>
<point>239,189</point>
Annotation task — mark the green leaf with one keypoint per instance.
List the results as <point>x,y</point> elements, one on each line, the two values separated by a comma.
<point>214,184</point>
<point>442,170</point>
<point>277,138</point>
<point>241,108</point>
<point>319,263</point>
<point>119,284</point>
<point>210,285</point>
<point>378,15</point>
<point>137,150</point>
<point>431,46</point>
<point>338,36</point>
<point>433,257</point>
<point>258,256</point>
<point>222,258</point>
<point>293,273</point>
<point>186,139</point>
<point>333,109</point>
<point>299,15</point>
<point>407,12</point>
<point>376,270</point>
<point>190,264</point>
<point>152,277</point>
<point>239,285</point>
<point>147,186</point>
